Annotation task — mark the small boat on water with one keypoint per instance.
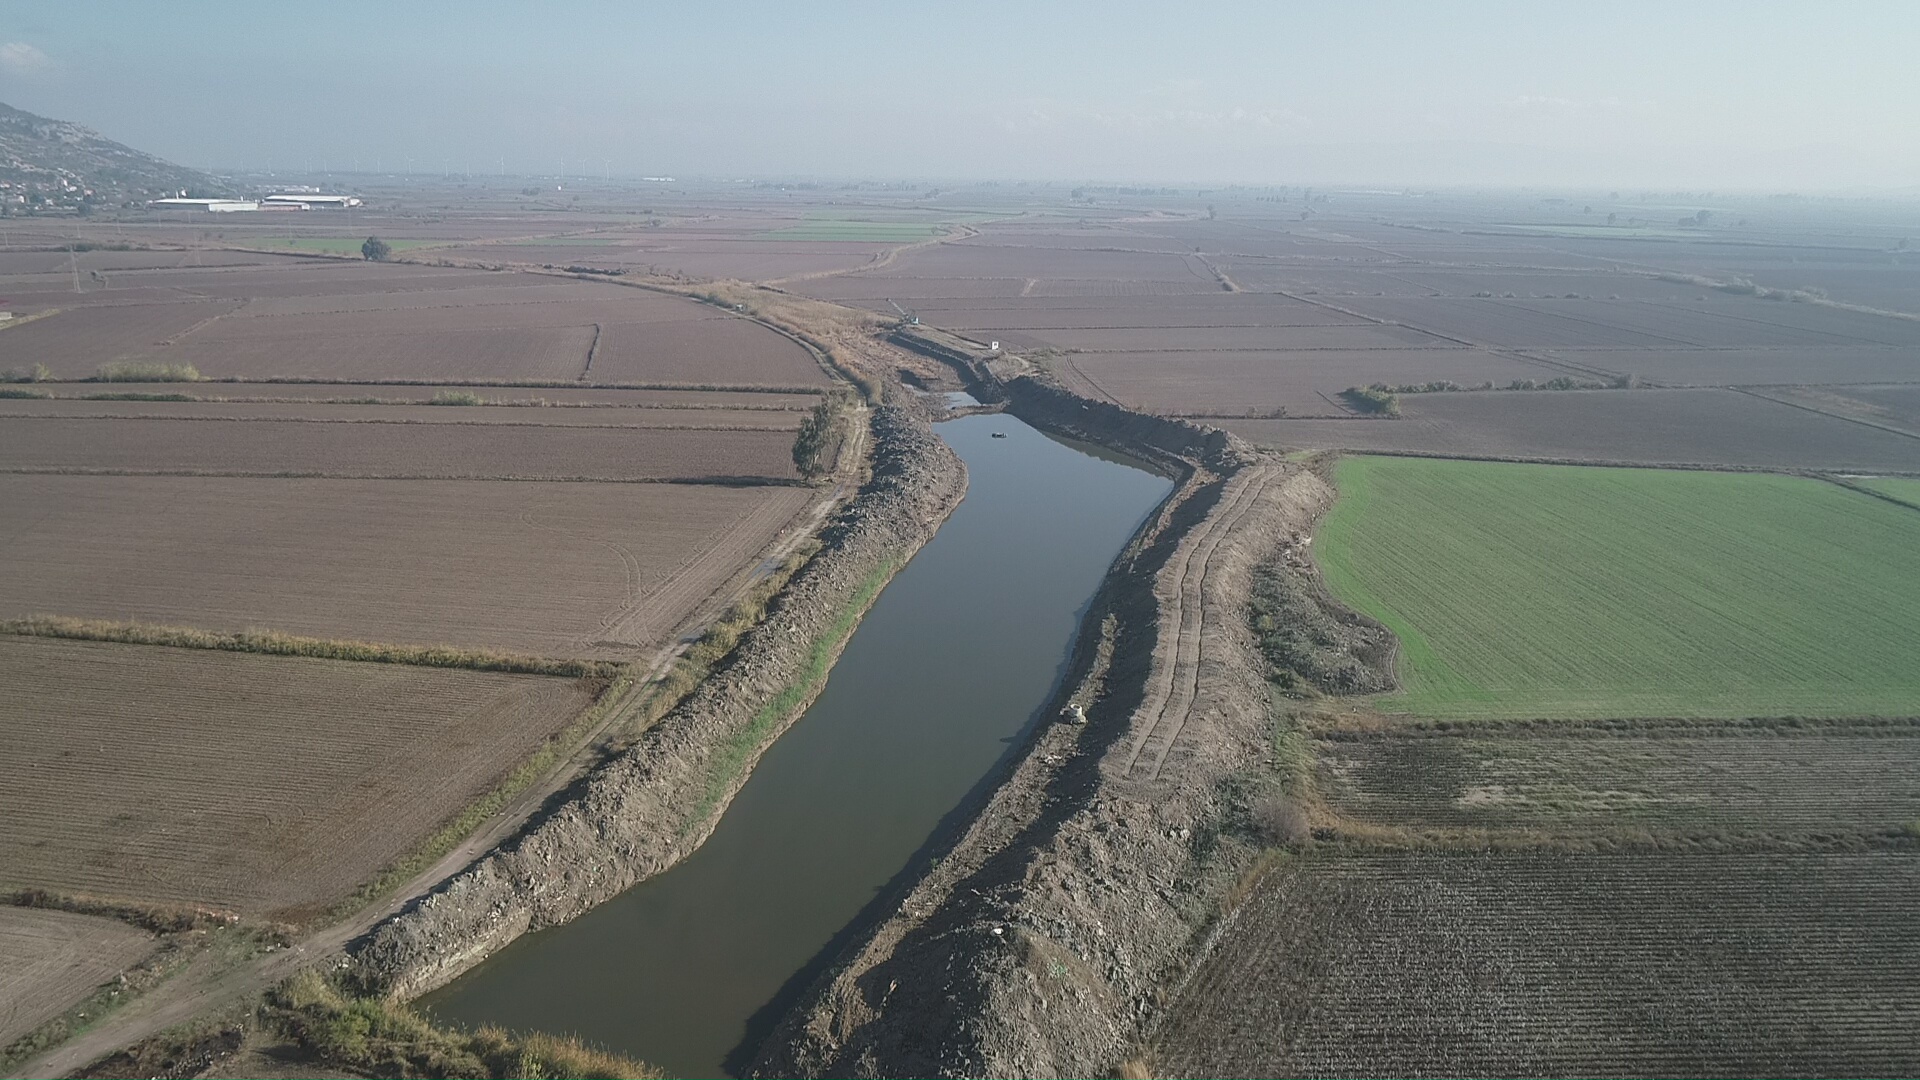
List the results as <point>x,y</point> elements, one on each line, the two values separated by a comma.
<point>999,434</point>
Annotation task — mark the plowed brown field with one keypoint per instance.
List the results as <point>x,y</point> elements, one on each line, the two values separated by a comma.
<point>268,785</point>
<point>433,449</point>
<point>1561,964</point>
<point>1703,427</point>
<point>314,412</point>
<point>51,960</point>
<point>596,570</point>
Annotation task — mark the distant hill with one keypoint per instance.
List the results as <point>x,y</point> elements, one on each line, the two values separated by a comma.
<point>53,165</point>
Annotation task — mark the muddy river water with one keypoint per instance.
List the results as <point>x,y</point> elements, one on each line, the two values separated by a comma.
<point>960,653</point>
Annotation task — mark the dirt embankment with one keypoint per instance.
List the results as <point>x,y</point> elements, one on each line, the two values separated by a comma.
<point>1044,938</point>
<point>657,802</point>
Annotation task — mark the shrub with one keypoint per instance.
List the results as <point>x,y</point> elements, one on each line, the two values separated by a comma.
<point>376,250</point>
<point>33,373</point>
<point>17,392</point>
<point>1281,820</point>
<point>1372,399</point>
<point>146,371</point>
<point>457,397</point>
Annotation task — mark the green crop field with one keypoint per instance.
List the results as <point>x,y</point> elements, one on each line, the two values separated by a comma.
<point>1562,591</point>
<point>1902,489</point>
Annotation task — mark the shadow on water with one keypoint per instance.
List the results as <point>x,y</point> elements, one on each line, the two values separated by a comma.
<point>692,968</point>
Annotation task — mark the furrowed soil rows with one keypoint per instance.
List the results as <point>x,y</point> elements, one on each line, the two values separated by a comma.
<point>567,393</point>
<point>415,414</point>
<point>51,960</point>
<point>708,352</point>
<point>1552,591</point>
<point>1300,382</point>
<point>1561,964</point>
<point>1793,783</point>
<point>74,342</point>
<point>555,353</point>
<point>267,785</point>
<point>528,568</point>
<point>434,449</point>
<point>1655,427</point>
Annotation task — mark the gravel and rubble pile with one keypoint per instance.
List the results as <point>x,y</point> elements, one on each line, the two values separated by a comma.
<point>1044,940</point>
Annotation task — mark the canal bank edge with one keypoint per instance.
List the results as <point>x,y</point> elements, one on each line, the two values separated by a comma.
<point>1040,941</point>
<point>657,802</point>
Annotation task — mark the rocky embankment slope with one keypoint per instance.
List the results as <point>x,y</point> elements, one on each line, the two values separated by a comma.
<point>655,803</point>
<point>1042,942</point>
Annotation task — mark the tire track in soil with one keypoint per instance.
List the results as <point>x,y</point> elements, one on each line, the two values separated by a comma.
<point>1179,683</point>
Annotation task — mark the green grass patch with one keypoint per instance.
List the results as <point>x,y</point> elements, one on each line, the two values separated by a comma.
<point>1560,591</point>
<point>136,395</point>
<point>146,371</point>
<point>1907,491</point>
<point>385,1038</point>
<point>732,757</point>
<point>19,392</point>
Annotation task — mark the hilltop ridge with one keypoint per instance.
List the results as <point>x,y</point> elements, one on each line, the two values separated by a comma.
<point>53,165</point>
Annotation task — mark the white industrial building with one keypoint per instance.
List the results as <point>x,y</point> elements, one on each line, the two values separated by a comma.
<point>211,206</point>
<point>317,202</point>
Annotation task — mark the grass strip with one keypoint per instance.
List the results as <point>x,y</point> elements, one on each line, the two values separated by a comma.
<point>274,643</point>
<point>386,1038</point>
<point>731,759</point>
<point>146,371</point>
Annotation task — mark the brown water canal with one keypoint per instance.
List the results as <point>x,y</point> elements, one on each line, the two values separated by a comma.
<point>690,969</point>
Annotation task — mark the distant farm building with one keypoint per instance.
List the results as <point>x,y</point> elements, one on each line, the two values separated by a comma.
<point>211,206</point>
<point>316,202</point>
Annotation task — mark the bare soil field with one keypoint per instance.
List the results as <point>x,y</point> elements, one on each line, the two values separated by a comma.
<point>724,351</point>
<point>1894,406</point>
<point>1560,964</point>
<point>1750,366</point>
<point>909,290</point>
<point>1791,783</point>
<point>266,785</point>
<point>51,960</point>
<point>589,570</point>
<point>610,416</point>
<point>1305,382</point>
<point>444,445</point>
<point>1703,427</point>
<point>75,341</point>
<point>568,393</point>
<point>1208,311</point>
<point>1241,339</point>
<point>554,353</point>
<point>351,321</point>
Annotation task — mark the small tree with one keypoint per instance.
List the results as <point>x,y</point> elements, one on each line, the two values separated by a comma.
<point>375,249</point>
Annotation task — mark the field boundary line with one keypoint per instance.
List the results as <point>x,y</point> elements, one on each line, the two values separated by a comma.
<point>1804,407</point>
<point>274,643</point>
<point>235,474</point>
<point>379,420</point>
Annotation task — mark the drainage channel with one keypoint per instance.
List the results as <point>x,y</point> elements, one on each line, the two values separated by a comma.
<point>690,969</point>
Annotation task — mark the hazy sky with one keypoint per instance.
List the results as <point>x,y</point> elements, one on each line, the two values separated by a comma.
<point>1757,94</point>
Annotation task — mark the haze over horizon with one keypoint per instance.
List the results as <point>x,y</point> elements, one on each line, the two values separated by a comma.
<point>1705,96</point>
